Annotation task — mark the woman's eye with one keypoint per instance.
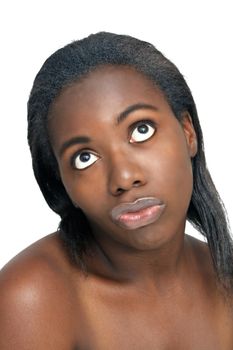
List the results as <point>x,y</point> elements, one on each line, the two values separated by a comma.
<point>84,160</point>
<point>142,132</point>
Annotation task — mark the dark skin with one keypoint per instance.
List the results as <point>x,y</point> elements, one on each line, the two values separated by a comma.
<point>152,287</point>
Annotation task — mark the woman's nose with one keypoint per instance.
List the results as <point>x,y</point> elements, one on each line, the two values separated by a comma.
<point>125,174</point>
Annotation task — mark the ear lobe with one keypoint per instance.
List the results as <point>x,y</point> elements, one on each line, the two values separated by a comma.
<point>190,134</point>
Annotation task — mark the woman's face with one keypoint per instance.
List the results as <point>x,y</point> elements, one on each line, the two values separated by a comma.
<point>120,148</point>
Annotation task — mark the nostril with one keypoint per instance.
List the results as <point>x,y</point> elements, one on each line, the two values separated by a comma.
<point>119,191</point>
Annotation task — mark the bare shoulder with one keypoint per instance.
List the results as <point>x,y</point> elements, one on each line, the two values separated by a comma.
<point>45,261</point>
<point>203,260</point>
<point>36,298</point>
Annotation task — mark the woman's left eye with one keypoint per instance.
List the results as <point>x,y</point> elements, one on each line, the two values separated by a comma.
<point>142,132</point>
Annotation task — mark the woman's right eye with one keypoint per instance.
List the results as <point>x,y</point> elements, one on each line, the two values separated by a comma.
<point>84,159</point>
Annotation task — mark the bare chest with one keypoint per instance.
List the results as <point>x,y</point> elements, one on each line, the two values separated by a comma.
<point>170,326</point>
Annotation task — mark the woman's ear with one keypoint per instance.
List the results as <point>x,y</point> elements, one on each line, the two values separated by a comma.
<point>190,134</point>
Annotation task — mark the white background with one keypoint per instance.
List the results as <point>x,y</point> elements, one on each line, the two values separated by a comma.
<point>196,35</point>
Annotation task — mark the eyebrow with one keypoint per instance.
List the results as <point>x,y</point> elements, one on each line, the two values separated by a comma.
<point>73,141</point>
<point>120,118</point>
<point>123,115</point>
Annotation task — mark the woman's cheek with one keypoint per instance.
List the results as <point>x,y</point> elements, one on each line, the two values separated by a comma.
<point>173,178</point>
<point>85,193</point>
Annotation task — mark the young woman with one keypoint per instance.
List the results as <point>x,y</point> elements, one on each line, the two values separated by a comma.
<point>118,153</point>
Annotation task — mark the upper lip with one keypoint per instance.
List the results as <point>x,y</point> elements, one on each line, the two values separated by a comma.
<point>132,207</point>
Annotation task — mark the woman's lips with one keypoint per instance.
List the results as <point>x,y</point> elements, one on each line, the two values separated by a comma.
<point>142,212</point>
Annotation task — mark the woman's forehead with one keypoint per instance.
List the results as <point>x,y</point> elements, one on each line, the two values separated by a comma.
<point>107,85</point>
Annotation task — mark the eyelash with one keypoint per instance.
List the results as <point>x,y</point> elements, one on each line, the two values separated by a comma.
<point>132,128</point>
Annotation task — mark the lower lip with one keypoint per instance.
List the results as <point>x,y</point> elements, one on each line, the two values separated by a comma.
<point>140,218</point>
